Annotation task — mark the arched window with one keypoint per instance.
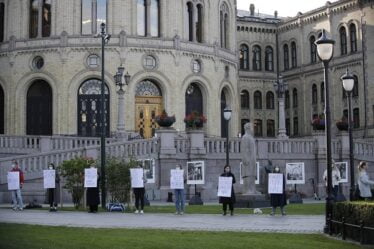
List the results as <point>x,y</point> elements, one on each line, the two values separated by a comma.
<point>269,59</point>
<point>256,61</point>
<point>323,92</point>
<point>343,41</point>
<point>353,36</point>
<point>286,60</point>
<point>294,98</point>
<point>269,100</point>
<point>148,18</point>
<point>224,25</point>
<point>314,94</point>
<point>194,99</point>
<point>244,57</point>
<point>287,99</point>
<point>356,118</point>
<point>258,128</point>
<point>293,55</point>
<point>244,99</point>
<point>39,104</point>
<point>190,21</point>
<point>257,98</point>
<point>270,128</point>
<point>89,109</point>
<point>355,87</point>
<point>313,49</point>
<point>2,18</point>
<point>93,15</point>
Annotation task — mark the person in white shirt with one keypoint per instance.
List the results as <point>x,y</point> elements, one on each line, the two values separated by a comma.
<point>335,175</point>
<point>363,181</point>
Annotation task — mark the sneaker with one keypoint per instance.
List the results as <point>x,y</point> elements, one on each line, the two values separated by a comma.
<point>181,213</point>
<point>20,209</point>
<point>141,211</point>
<point>136,211</point>
<point>271,214</point>
<point>14,208</point>
<point>176,213</point>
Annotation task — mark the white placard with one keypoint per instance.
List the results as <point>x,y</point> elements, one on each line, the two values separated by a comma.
<point>224,186</point>
<point>343,169</point>
<point>275,184</point>
<point>195,170</point>
<point>137,178</point>
<point>90,178</point>
<point>176,179</point>
<point>13,180</point>
<point>49,176</point>
<point>295,173</point>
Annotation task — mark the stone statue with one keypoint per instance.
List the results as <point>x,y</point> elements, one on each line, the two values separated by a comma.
<point>248,152</point>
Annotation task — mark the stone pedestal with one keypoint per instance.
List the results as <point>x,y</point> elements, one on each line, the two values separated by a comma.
<point>197,141</point>
<point>251,201</point>
<point>167,138</point>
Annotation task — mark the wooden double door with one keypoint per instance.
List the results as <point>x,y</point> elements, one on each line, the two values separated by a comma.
<point>146,109</point>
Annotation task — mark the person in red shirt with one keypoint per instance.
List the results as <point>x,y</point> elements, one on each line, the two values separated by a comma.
<point>16,194</point>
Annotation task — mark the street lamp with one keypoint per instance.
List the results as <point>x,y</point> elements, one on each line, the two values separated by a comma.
<point>104,40</point>
<point>325,50</point>
<point>121,99</point>
<point>281,87</point>
<point>227,115</point>
<point>348,83</point>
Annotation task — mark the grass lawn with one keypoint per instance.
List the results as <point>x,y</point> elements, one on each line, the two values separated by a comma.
<point>14,236</point>
<point>291,209</point>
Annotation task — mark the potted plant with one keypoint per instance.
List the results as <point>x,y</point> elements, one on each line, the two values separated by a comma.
<point>164,120</point>
<point>195,120</point>
<point>318,123</point>
<point>342,124</point>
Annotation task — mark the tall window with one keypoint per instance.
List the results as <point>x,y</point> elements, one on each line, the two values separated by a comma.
<point>287,99</point>
<point>293,55</point>
<point>314,94</point>
<point>199,23</point>
<point>323,92</point>
<point>40,27</point>
<point>270,128</point>
<point>269,100</point>
<point>295,126</point>
<point>343,41</point>
<point>257,98</point>
<point>256,58</point>
<point>244,99</point>
<point>258,128</point>
<point>286,60</point>
<point>2,18</point>
<point>356,118</point>
<point>34,13</point>
<point>244,57</point>
<point>294,98</point>
<point>224,25</point>
<point>313,49</point>
<point>269,59</point>
<point>190,21</point>
<point>353,36</point>
<point>94,13</point>
<point>355,87</point>
<point>288,126</point>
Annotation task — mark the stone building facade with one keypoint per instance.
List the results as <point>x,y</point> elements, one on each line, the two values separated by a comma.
<point>182,56</point>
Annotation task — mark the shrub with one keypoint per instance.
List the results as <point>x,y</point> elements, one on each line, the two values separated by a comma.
<point>73,172</point>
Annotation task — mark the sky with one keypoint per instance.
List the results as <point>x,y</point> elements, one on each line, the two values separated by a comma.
<point>284,7</point>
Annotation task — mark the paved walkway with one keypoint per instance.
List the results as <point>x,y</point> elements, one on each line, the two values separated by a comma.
<point>206,222</point>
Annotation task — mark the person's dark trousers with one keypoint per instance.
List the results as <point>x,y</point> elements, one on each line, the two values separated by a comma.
<point>139,196</point>
<point>335,191</point>
<point>51,197</point>
<point>224,207</point>
<point>93,208</point>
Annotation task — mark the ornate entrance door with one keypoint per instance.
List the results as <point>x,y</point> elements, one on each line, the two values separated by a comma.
<point>146,109</point>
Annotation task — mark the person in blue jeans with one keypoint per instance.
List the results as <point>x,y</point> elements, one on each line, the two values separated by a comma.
<point>179,196</point>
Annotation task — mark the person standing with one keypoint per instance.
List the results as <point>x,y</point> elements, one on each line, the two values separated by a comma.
<point>139,195</point>
<point>93,198</point>
<point>335,176</point>
<point>363,181</point>
<point>228,200</point>
<point>16,194</point>
<point>278,200</point>
<point>179,196</point>
<point>53,193</point>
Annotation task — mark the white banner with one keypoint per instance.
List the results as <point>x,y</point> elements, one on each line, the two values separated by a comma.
<point>137,178</point>
<point>90,178</point>
<point>224,186</point>
<point>13,180</point>
<point>176,179</point>
<point>49,177</point>
<point>275,184</point>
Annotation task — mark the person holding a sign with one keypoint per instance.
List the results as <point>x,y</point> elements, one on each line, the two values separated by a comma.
<point>276,188</point>
<point>53,193</point>
<point>93,198</point>
<point>363,181</point>
<point>228,200</point>
<point>138,180</point>
<point>177,181</point>
<point>16,192</point>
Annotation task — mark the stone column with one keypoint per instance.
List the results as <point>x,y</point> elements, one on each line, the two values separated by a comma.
<point>148,17</point>
<point>167,138</point>
<point>282,120</point>
<point>121,113</point>
<point>194,18</point>
<point>196,141</point>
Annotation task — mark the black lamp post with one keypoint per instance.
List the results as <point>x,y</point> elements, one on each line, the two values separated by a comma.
<point>227,115</point>
<point>121,100</point>
<point>104,39</point>
<point>348,83</point>
<point>325,50</point>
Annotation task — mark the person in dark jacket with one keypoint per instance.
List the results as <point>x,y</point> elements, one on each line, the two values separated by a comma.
<point>93,198</point>
<point>278,200</point>
<point>228,200</point>
<point>53,193</point>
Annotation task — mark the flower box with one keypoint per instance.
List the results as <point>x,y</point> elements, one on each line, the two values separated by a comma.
<point>163,120</point>
<point>195,120</point>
